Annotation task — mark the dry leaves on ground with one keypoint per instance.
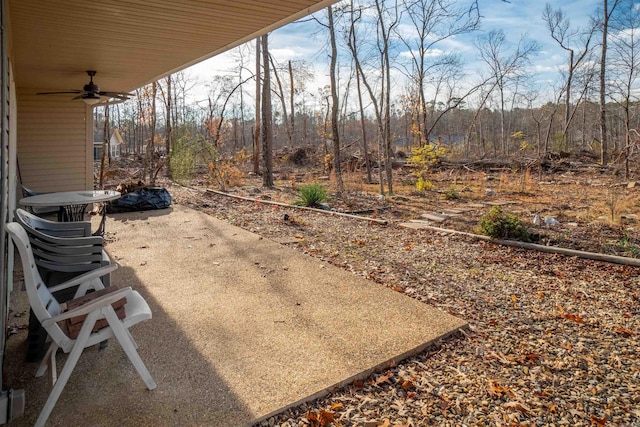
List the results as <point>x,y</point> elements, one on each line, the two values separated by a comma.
<point>553,340</point>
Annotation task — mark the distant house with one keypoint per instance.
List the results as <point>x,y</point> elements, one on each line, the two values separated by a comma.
<point>115,143</point>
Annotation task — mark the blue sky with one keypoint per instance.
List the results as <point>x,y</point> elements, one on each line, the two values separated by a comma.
<point>306,41</point>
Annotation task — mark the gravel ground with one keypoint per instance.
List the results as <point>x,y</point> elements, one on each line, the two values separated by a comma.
<point>553,340</point>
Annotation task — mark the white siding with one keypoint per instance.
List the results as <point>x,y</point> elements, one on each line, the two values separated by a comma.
<point>53,153</point>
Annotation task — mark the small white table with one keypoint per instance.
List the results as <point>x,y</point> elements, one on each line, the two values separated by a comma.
<point>73,204</point>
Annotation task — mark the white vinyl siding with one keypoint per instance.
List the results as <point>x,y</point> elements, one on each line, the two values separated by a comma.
<point>53,153</point>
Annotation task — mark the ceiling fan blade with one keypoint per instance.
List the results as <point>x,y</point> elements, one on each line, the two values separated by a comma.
<point>116,94</point>
<point>114,101</point>
<point>58,93</point>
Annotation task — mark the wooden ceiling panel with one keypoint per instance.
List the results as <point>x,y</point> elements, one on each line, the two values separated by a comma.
<point>132,42</point>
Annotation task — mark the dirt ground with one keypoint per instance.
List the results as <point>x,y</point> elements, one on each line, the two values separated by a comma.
<point>552,340</point>
<point>595,212</point>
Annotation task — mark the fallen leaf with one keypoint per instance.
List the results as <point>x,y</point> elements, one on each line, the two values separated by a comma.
<point>407,384</point>
<point>625,332</point>
<point>533,357</point>
<point>573,317</point>
<point>336,406</point>
<point>325,418</point>
<point>382,379</point>
<point>519,406</point>
<point>599,422</point>
<point>358,383</point>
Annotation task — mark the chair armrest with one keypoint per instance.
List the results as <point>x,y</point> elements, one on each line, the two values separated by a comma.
<point>89,307</point>
<point>90,275</point>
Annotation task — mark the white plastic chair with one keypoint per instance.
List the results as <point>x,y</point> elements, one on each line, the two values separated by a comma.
<point>62,251</point>
<point>50,313</point>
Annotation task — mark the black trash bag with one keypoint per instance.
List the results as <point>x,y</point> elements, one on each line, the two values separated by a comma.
<point>142,199</point>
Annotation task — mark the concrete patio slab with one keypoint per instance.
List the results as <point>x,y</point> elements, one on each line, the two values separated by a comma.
<point>243,327</point>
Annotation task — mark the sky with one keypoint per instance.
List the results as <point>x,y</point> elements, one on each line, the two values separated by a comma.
<point>517,18</point>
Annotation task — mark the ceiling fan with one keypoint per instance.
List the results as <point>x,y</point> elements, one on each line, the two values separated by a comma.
<point>91,93</point>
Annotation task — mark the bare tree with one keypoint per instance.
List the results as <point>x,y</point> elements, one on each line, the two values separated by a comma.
<point>625,63</point>
<point>292,115</point>
<point>434,21</point>
<point>167,98</point>
<point>258,127</point>
<point>606,14</point>
<point>150,152</point>
<point>352,41</point>
<point>283,100</point>
<point>388,18</point>
<point>505,66</point>
<point>335,134</point>
<point>106,151</point>
<point>571,40</point>
<point>267,131</point>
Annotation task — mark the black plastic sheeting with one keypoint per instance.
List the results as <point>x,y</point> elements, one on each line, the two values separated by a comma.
<point>142,199</point>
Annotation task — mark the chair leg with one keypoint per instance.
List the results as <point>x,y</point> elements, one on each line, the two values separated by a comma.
<point>129,347</point>
<point>71,362</point>
<point>49,362</point>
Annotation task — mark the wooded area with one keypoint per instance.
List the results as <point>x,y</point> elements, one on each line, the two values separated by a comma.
<point>395,94</point>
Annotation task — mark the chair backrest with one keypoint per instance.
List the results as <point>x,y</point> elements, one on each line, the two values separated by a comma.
<point>72,253</point>
<point>44,210</point>
<point>52,228</point>
<point>42,302</point>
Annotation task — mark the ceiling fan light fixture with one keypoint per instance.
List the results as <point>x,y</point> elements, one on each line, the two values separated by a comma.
<point>91,100</point>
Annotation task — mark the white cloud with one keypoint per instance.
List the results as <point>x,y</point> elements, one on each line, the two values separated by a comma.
<point>430,53</point>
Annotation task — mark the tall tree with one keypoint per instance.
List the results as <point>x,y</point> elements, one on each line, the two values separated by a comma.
<point>151,143</point>
<point>335,134</point>
<point>167,98</point>
<point>256,133</point>
<point>625,63</point>
<point>352,41</point>
<point>572,40</point>
<point>292,115</point>
<point>433,21</point>
<point>267,129</point>
<point>283,100</point>
<point>387,20</point>
<point>606,14</point>
<point>505,65</point>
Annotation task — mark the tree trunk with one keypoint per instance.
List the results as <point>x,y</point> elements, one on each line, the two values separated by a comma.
<point>256,135</point>
<point>150,145</point>
<point>168,127</point>
<point>334,107</point>
<point>363,128</point>
<point>267,131</point>
<point>604,155</point>
<point>291,102</point>
<point>105,146</point>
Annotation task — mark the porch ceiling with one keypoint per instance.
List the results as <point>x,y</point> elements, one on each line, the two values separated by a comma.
<point>132,42</point>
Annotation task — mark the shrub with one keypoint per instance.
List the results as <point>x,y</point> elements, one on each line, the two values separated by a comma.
<point>182,162</point>
<point>498,224</point>
<point>311,195</point>
<point>423,185</point>
<point>451,194</point>
<point>299,157</point>
<point>423,158</point>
